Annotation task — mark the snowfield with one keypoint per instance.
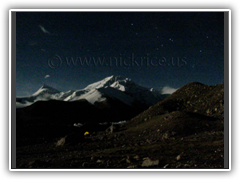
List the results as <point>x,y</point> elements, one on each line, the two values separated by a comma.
<point>116,87</point>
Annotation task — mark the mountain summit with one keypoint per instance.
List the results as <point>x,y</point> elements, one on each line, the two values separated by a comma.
<point>114,87</point>
<point>104,82</point>
<point>45,89</point>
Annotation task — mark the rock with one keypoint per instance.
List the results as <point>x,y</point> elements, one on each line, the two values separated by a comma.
<point>165,136</point>
<point>37,163</point>
<point>136,157</point>
<point>132,166</point>
<point>166,166</point>
<point>128,161</point>
<point>178,157</point>
<point>148,141</point>
<point>178,165</point>
<point>83,164</point>
<point>99,161</point>
<point>122,160</point>
<point>73,138</point>
<point>92,158</point>
<point>148,162</point>
<point>109,130</point>
<point>61,142</point>
<point>208,111</point>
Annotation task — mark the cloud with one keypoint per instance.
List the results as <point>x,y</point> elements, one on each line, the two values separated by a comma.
<point>168,90</point>
<point>47,76</point>
<point>44,30</point>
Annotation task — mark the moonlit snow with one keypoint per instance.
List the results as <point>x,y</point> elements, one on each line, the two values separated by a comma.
<point>116,87</point>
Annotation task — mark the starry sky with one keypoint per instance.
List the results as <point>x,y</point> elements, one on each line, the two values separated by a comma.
<point>69,50</point>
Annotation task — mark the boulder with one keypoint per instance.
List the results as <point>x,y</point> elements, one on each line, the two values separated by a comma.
<point>61,141</point>
<point>147,162</point>
<point>71,139</point>
<point>109,130</point>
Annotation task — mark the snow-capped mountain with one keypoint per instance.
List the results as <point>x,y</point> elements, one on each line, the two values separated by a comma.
<point>115,87</point>
<point>45,89</point>
<point>45,93</point>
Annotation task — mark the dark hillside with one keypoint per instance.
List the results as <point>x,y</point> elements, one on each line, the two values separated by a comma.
<point>193,97</point>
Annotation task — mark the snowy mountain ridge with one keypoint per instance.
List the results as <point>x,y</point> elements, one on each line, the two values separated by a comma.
<point>116,87</point>
<point>45,89</point>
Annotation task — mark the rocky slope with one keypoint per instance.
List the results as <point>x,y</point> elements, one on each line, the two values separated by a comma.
<point>194,97</point>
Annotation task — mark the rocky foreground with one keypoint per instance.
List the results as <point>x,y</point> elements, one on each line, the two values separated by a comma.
<point>132,148</point>
<point>186,130</point>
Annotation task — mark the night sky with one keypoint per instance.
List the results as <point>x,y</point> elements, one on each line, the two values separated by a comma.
<point>69,50</point>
